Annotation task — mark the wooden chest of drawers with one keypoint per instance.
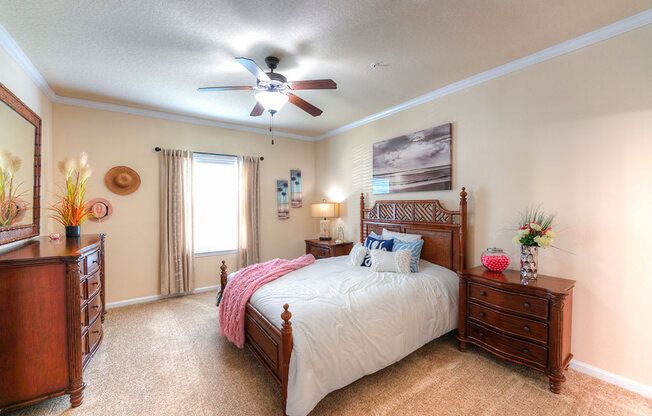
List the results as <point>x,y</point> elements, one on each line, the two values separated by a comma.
<point>51,314</point>
<point>525,322</point>
<point>327,248</point>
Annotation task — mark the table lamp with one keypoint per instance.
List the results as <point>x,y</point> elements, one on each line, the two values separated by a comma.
<point>325,210</point>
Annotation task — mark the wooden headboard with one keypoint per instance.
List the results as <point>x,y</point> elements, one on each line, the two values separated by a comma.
<point>443,231</point>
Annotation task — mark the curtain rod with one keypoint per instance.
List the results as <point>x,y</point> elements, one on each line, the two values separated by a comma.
<point>158,149</point>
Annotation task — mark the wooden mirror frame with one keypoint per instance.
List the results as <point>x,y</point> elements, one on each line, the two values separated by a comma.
<point>21,232</point>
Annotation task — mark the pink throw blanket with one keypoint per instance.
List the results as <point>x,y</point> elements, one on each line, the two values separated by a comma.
<point>241,286</point>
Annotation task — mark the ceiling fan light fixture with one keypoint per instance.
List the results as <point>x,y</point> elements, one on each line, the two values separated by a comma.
<point>272,100</point>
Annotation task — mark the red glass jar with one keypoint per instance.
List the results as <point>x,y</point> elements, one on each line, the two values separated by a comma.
<point>495,259</point>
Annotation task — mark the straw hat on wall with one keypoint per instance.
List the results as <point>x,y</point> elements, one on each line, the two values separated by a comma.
<point>122,180</point>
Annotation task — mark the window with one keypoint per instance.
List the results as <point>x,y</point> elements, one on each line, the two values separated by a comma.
<point>215,200</point>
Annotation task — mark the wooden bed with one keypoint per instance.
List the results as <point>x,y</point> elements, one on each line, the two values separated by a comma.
<point>444,235</point>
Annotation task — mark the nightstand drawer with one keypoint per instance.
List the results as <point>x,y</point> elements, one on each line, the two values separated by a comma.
<point>319,252</point>
<point>514,325</point>
<point>524,304</point>
<point>516,349</point>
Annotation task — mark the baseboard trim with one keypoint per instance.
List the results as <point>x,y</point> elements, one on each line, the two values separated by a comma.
<point>631,385</point>
<point>145,299</point>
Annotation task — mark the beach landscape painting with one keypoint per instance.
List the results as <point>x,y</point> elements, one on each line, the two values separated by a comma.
<point>295,188</point>
<point>282,199</point>
<point>414,162</point>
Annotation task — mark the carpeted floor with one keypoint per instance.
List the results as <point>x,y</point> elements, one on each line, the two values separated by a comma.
<point>166,358</point>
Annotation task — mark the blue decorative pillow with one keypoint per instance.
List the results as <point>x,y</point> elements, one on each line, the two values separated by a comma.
<point>415,251</point>
<point>376,244</point>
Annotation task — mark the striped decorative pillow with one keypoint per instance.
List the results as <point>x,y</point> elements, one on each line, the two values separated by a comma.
<point>415,251</point>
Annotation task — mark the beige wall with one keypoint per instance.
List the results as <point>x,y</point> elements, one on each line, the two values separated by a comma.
<point>19,83</point>
<point>574,134</point>
<point>112,139</point>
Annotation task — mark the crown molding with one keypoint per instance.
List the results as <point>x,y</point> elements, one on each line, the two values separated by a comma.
<point>97,105</point>
<point>606,32</point>
<point>622,26</point>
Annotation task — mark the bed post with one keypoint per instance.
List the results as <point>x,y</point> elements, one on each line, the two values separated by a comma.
<point>223,276</point>
<point>361,217</point>
<point>286,352</point>
<point>463,195</point>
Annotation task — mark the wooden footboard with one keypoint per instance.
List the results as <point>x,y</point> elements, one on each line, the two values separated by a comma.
<point>272,346</point>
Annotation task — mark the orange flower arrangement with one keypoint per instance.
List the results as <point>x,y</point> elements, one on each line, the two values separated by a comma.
<point>72,209</point>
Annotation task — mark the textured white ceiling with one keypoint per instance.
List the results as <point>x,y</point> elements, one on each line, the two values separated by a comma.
<point>154,54</point>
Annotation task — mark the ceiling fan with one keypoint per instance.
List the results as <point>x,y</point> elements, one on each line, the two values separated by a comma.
<point>274,90</point>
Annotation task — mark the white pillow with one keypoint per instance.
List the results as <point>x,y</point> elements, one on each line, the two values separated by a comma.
<point>388,235</point>
<point>357,254</point>
<point>390,261</point>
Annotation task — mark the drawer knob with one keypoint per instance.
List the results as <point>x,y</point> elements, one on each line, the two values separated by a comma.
<point>483,293</point>
<point>96,306</point>
<point>482,314</point>
<point>526,351</point>
<point>526,328</point>
<point>95,261</point>
<point>96,331</point>
<point>480,334</point>
<point>83,324</point>
<point>527,304</point>
<point>95,283</point>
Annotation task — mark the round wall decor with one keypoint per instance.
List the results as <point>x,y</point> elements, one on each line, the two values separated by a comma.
<point>122,180</point>
<point>101,210</point>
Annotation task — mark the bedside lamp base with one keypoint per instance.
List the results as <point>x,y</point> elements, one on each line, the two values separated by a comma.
<point>324,230</point>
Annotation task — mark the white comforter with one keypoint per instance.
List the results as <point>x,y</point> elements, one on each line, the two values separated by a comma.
<point>348,321</point>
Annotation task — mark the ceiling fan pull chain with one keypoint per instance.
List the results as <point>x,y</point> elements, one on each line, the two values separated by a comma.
<point>271,125</point>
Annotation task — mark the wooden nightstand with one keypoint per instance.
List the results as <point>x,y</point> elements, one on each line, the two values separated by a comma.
<point>526,323</point>
<point>327,248</point>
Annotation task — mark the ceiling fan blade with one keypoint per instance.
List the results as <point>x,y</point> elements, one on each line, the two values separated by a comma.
<point>258,110</point>
<point>304,105</point>
<point>315,84</point>
<point>252,67</point>
<point>209,89</point>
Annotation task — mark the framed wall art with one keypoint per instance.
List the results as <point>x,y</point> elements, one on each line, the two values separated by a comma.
<point>295,188</point>
<point>282,198</point>
<point>415,162</point>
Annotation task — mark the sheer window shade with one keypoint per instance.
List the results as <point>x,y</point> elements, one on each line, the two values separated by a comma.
<point>215,203</point>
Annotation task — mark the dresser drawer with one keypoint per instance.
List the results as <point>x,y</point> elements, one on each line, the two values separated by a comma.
<point>527,305</point>
<point>84,345</point>
<point>514,325</point>
<point>93,285</point>
<point>82,292</point>
<point>94,334</point>
<point>94,308</point>
<point>513,348</point>
<point>83,319</point>
<point>319,252</point>
<point>92,262</point>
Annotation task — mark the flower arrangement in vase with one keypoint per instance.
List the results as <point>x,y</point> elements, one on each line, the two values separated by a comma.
<point>72,209</point>
<point>11,206</point>
<point>535,231</point>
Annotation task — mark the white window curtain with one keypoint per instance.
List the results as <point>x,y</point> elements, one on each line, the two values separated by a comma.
<point>176,222</point>
<point>248,211</point>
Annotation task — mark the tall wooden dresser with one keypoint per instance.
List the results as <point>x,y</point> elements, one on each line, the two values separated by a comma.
<point>51,314</point>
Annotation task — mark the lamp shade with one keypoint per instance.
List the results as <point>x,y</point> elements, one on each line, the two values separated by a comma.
<point>325,210</point>
<point>271,100</point>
